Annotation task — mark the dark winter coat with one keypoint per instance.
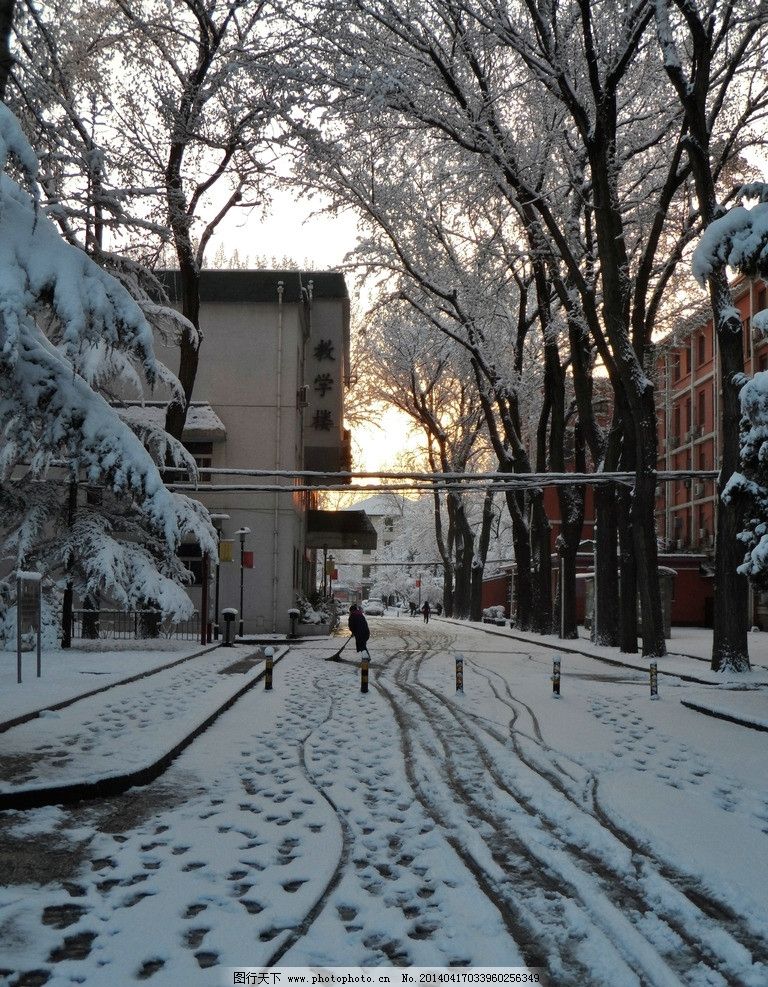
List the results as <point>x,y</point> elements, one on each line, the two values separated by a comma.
<point>359,627</point>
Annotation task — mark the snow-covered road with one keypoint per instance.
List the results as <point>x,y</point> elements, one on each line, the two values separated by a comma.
<point>605,837</point>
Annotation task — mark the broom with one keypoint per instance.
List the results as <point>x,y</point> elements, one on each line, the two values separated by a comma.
<point>336,656</point>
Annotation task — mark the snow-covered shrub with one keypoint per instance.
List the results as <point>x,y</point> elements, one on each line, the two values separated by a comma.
<point>318,610</point>
<point>494,615</point>
<point>68,329</point>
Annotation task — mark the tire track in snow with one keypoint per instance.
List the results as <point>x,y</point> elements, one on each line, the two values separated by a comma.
<point>466,793</point>
<point>680,883</point>
<point>587,863</point>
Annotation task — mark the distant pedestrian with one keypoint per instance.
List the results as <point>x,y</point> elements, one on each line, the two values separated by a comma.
<point>438,608</point>
<point>358,625</point>
<point>414,609</point>
<point>426,611</point>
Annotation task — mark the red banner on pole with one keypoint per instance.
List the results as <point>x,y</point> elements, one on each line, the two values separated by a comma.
<point>247,560</point>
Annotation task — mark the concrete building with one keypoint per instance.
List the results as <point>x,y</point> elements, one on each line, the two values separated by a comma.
<point>358,568</point>
<point>269,395</point>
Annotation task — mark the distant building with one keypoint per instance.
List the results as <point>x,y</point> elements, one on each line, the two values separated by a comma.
<point>269,395</point>
<point>358,569</point>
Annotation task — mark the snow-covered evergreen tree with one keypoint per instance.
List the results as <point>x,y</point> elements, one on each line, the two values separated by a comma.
<point>739,240</point>
<point>67,329</point>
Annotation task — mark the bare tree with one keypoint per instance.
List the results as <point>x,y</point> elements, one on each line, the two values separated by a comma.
<point>416,369</point>
<point>714,54</point>
<point>165,111</point>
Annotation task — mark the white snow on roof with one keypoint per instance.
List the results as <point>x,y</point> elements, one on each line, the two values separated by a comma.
<point>202,420</point>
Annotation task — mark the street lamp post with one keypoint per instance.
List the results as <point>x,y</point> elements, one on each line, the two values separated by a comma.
<point>241,533</point>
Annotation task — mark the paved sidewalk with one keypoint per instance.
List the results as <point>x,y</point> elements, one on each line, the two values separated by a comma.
<point>66,754</point>
<point>741,698</point>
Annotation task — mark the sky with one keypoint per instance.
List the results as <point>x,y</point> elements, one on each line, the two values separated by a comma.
<point>289,229</point>
<point>613,839</point>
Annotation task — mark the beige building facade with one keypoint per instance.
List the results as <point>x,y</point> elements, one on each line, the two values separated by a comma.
<point>269,395</point>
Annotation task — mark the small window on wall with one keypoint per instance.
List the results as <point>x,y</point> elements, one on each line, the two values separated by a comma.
<point>366,572</point>
<point>192,557</point>
<point>701,412</point>
<point>701,354</point>
<point>202,453</point>
<point>688,357</point>
<point>761,301</point>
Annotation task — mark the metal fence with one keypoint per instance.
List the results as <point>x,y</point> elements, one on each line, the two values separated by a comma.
<point>132,625</point>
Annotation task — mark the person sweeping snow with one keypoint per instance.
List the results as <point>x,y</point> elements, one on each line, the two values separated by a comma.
<point>359,627</point>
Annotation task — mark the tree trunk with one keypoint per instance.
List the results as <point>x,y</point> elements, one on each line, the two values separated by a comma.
<point>189,349</point>
<point>541,551</point>
<point>730,649</point>
<point>463,554</point>
<point>605,629</point>
<point>6,59</point>
<point>478,563</point>
<point>627,574</point>
<point>69,590</point>
<point>522,594</point>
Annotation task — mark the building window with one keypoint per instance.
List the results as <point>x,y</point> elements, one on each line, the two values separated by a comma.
<point>688,413</point>
<point>701,355</point>
<point>762,361</point>
<point>762,299</point>
<point>389,524</point>
<point>192,557</point>
<point>675,366</point>
<point>701,411</point>
<point>366,551</point>
<point>202,453</point>
<point>688,357</point>
<point>366,572</point>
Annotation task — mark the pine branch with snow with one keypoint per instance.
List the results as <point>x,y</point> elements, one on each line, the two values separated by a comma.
<point>50,413</point>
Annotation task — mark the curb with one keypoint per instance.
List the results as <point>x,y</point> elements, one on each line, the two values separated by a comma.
<point>621,664</point>
<point>577,651</point>
<point>723,716</point>
<point>35,713</point>
<point>119,784</point>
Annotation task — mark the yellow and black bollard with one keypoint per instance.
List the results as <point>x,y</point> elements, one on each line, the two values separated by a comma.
<point>268,665</point>
<point>459,673</point>
<point>654,670</point>
<point>556,678</point>
<point>364,659</point>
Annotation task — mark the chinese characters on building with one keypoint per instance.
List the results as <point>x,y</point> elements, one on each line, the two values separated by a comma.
<point>322,420</point>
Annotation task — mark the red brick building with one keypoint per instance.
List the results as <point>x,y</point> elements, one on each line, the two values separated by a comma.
<point>688,402</point>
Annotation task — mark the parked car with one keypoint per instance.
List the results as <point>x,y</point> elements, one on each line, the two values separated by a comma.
<point>374,607</point>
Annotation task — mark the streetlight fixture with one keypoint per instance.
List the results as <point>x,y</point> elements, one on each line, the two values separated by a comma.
<point>241,533</point>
